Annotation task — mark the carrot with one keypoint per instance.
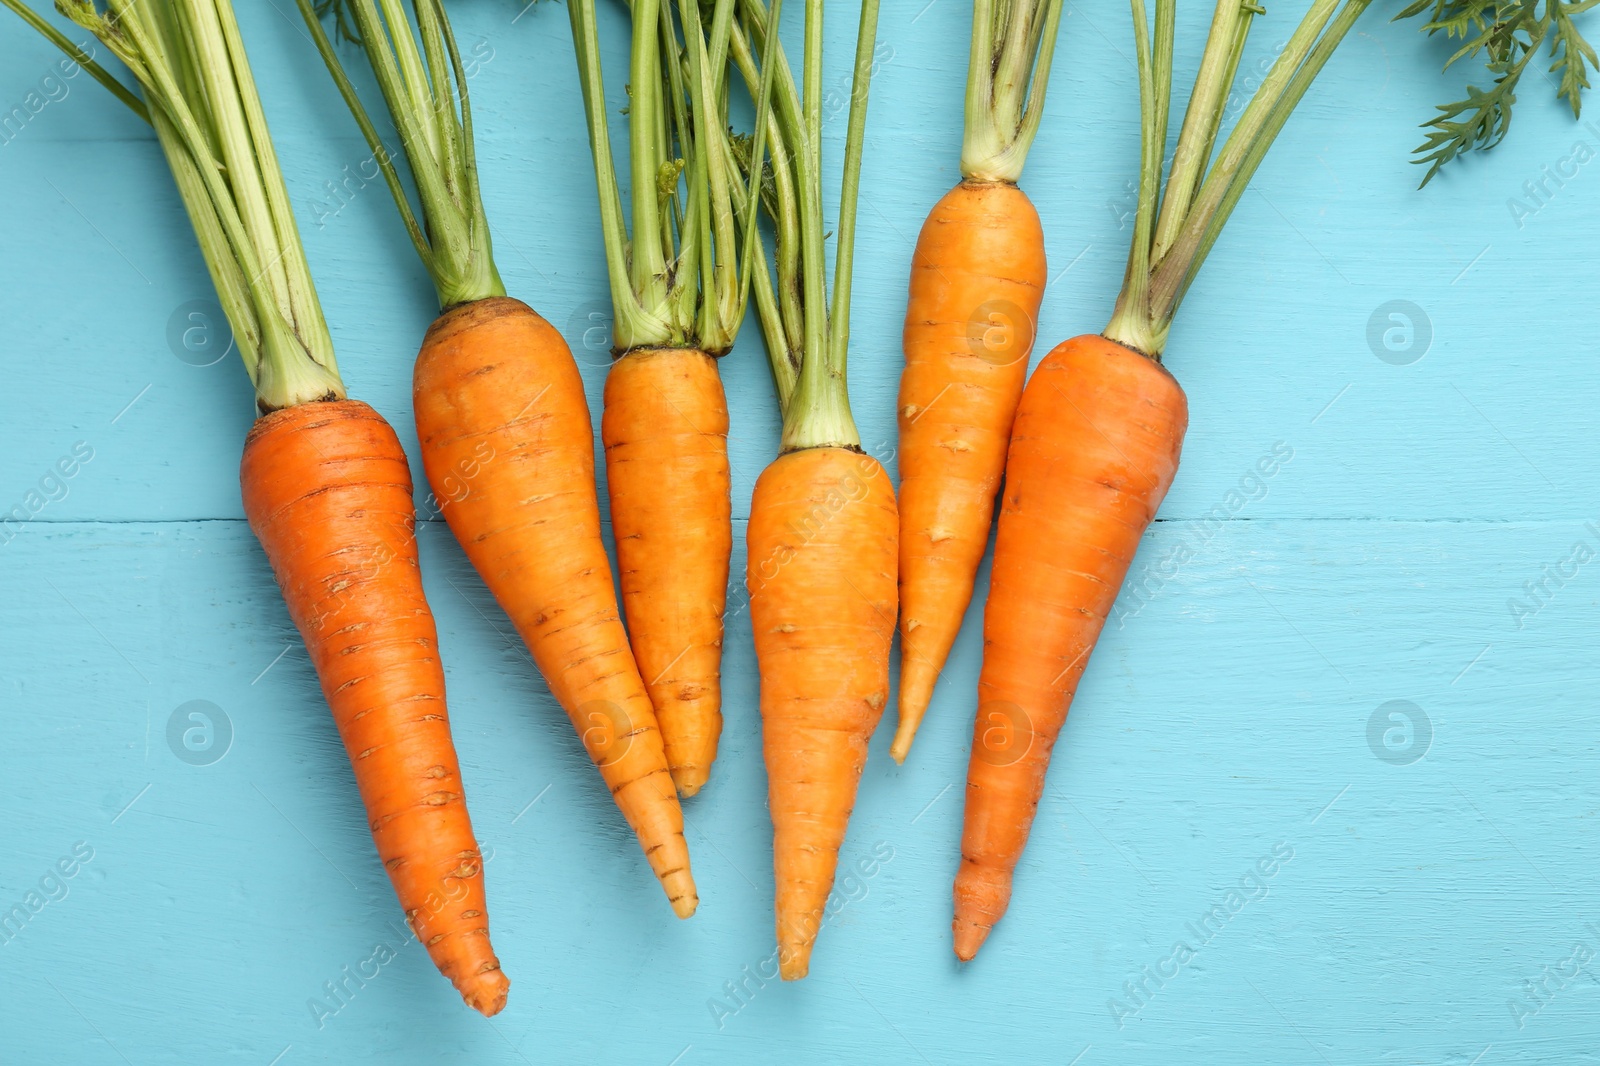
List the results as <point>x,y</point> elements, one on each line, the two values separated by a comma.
<point>1077,500</point>
<point>325,484</point>
<point>822,605</point>
<point>678,287</point>
<point>665,430</point>
<point>507,443</point>
<point>327,491</point>
<point>981,246</point>
<point>977,278</point>
<point>500,410</point>
<point>1097,435</point>
<point>823,531</point>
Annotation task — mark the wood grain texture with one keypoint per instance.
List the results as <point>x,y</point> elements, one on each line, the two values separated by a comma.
<point>1225,712</point>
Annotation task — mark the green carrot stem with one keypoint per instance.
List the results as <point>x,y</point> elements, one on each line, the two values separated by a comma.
<point>674,251</point>
<point>833,417</point>
<point>632,325</point>
<point>753,255</point>
<point>785,197</point>
<point>645,137</point>
<point>369,133</point>
<point>1201,193</point>
<point>1155,89</point>
<point>816,410</point>
<point>1008,69</point>
<point>689,153</point>
<point>239,126</point>
<point>425,90</point>
<point>1303,77</point>
<point>80,57</point>
<point>1183,260</point>
<point>783,358</point>
<point>1201,120</point>
<point>849,196</point>
<point>199,95</point>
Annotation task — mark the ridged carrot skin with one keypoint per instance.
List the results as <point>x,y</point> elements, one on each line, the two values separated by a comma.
<point>821,575</point>
<point>509,451</point>
<point>328,493</point>
<point>1093,451</point>
<point>665,429</point>
<point>977,278</point>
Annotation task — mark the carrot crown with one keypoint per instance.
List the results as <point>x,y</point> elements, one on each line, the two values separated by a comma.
<point>426,91</point>
<point>199,95</point>
<point>807,339</point>
<point>1175,227</point>
<point>1012,45</point>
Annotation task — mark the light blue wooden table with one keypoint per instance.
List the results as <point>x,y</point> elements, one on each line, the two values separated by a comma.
<point>1439,905</point>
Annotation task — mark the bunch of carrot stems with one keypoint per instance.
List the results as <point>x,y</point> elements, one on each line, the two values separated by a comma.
<point>698,223</point>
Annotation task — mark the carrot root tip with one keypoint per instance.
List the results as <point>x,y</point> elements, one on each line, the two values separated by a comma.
<point>486,992</point>
<point>681,893</point>
<point>689,780</point>
<point>969,937</point>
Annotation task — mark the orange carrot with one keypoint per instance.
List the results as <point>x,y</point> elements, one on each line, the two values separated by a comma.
<point>504,425</point>
<point>1093,452</point>
<point>508,445</point>
<point>328,493</point>
<point>326,487</point>
<point>679,283</point>
<point>665,430</point>
<point>824,530</point>
<point>1097,435</point>
<point>977,278</point>
<point>822,606</point>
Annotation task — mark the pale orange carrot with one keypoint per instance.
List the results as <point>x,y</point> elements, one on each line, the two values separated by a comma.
<point>679,280</point>
<point>665,429</point>
<point>821,575</point>
<point>823,532</point>
<point>325,484</point>
<point>977,278</point>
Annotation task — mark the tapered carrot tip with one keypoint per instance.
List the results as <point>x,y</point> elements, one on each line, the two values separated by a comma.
<point>968,939</point>
<point>916,691</point>
<point>902,741</point>
<point>681,892</point>
<point>794,963</point>
<point>486,992</point>
<point>982,894</point>
<point>689,779</point>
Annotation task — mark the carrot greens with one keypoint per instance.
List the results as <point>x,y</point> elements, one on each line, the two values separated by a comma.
<point>808,339</point>
<point>1176,225</point>
<point>1010,38</point>
<point>426,92</point>
<point>198,93</point>
<point>1508,34</point>
<point>674,252</point>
